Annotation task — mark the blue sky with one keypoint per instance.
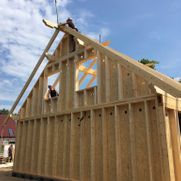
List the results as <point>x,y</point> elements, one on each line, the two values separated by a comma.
<point>138,28</point>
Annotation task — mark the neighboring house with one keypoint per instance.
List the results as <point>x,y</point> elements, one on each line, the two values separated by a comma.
<point>7,134</point>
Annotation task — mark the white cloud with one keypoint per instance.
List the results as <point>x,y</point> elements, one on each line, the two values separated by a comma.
<point>177,78</point>
<point>104,32</point>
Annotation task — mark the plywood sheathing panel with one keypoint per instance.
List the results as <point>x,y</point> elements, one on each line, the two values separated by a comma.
<point>117,141</point>
<point>60,142</point>
<point>123,149</point>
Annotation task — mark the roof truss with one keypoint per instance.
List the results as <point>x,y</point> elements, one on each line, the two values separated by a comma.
<point>162,81</point>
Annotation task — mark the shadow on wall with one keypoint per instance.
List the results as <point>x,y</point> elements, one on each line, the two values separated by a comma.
<point>179,115</point>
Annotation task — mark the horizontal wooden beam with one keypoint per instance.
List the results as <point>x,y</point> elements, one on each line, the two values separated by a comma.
<point>98,106</point>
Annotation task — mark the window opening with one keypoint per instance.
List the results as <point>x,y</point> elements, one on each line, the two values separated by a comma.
<point>53,81</point>
<point>10,131</point>
<point>86,74</point>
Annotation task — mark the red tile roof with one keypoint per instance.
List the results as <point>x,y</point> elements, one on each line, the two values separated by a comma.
<point>9,130</point>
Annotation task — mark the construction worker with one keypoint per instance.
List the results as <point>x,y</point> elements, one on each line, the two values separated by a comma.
<point>52,92</point>
<point>10,153</point>
<point>70,23</point>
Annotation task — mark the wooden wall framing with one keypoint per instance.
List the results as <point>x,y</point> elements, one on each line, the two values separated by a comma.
<point>121,129</point>
<point>135,140</point>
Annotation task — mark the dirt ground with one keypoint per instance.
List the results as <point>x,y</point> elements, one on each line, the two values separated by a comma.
<point>5,175</point>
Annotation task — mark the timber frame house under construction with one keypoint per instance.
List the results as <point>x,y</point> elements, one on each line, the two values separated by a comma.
<point>121,126</point>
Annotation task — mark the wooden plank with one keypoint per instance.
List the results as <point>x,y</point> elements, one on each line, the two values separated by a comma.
<point>34,101</point>
<point>123,146</point>
<point>101,78</point>
<point>111,144</point>
<point>36,148</point>
<point>67,87</point>
<point>148,140</point>
<point>93,146</point>
<point>77,83</point>
<point>98,165</point>
<point>175,137</point>
<point>47,148</point>
<point>61,136</point>
<point>66,147</point>
<point>154,139</point>
<point>40,95</point>
<point>75,146</point>
<point>85,141</point>
<point>63,87</point>
<point>134,84</point>
<point>132,144</point>
<point>22,112</point>
<point>33,145</point>
<point>50,145</point>
<point>87,70</point>
<point>40,148</point>
<point>59,104</point>
<point>28,147</point>
<point>55,147</point>
<point>107,79</point>
<point>23,147</point>
<point>18,146</point>
<point>127,83</point>
<point>44,143</point>
<point>117,143</point>
<point>72,130</point>
<point>164,144</point>
<point>141,149</point>
<point>169,146</point>
<point>50,24</point>
<point>120,82</point>
<point>71,83</point>
<point>113,81</point>
<point>85,74</point>
<point>81,147</point>
<point>105,146</point>
<point>28,106</point>
<point>90,82</point>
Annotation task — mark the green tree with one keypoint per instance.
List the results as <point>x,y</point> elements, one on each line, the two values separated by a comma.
<point>179,81</point>
<point>4,111</point>
<point>150,63</point>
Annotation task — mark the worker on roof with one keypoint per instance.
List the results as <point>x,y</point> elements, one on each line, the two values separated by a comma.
<point>70,23</point>
<point>72,40</point>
